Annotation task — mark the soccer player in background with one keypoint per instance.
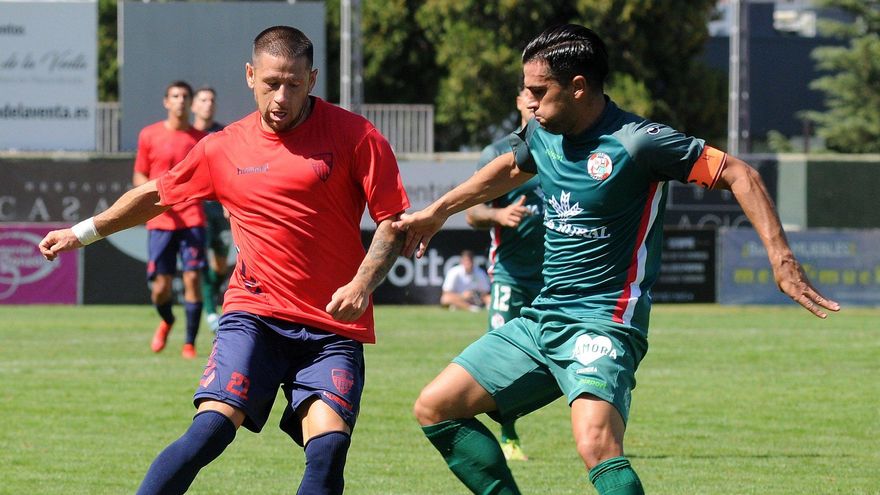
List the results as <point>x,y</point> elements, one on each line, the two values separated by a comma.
<point>217,233</point>
<point>603,172</point>
<point>295,177</point>
<point>516,231</point>
<point>180,231</point>
<point>204,105</point>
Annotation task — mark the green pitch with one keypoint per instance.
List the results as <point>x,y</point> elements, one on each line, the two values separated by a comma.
<point>730,400</point>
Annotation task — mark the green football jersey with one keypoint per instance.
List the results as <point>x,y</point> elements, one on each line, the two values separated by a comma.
<point>605,196</point>
<point>515,254</point>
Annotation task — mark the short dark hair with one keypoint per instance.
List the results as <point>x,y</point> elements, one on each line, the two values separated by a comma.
<point>179,84</point>
<point>570,50</point>
<point>284,41</point>
<point>206,88</point>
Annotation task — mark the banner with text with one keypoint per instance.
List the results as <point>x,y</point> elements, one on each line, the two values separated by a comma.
<point>687,271</point>
<point>26,277</point>
<point>843,265</point>
<point>48,75</point>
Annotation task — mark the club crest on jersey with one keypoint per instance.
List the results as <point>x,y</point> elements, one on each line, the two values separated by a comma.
<point>343,380</point>
<point>497,320</point>
<point>322,164</point>
<point>599,166</point>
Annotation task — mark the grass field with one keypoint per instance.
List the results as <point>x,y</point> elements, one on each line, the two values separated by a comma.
<point>731,400</point>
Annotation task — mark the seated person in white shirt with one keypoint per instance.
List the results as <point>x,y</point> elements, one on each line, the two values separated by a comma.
<point>466,286</point>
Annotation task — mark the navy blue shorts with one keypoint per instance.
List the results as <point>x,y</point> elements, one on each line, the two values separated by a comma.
<point>163,247</point>
<point>255,355</point>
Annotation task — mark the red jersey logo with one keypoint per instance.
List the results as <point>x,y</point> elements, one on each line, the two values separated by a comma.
<point>343,380</point>
<point>322,164</point>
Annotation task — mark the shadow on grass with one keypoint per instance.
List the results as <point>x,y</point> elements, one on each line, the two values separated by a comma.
<point>732,456</point>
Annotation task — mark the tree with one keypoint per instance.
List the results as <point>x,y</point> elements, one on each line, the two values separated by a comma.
<point>399,62</point>
<point>108,66</point>
<point>654,48</point>
<point>852,92</point>
<point>463,56</point>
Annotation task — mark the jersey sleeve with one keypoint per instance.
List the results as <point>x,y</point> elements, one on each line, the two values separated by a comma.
<point>667,153</point>
<point>142,157</point>
<point>376,170</point>
<point>519,143</point>
<point>488,154</point>
<point>190,179</point>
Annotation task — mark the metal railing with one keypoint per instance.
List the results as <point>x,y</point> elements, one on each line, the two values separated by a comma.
<point>409,128</point>
<point>107,126</point>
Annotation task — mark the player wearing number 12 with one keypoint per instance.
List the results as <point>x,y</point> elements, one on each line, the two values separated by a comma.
<point>516,230</point>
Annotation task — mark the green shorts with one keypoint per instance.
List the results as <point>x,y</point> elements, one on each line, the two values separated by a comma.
<point>218,236</point>
<point>507,301</point>
<point>534,359</point>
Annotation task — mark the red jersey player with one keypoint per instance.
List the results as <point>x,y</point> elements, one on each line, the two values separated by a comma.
<point>180,231</point>
<point>295,177</point>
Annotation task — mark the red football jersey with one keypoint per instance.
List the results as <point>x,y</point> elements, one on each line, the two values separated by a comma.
<point>160,149</point>
<point>295,202</point>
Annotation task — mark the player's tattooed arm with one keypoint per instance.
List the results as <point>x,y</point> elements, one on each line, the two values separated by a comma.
<point>351,300</point>
<point>384,249</point>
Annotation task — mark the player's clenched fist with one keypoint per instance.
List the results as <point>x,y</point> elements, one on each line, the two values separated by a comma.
<point>58,241</point>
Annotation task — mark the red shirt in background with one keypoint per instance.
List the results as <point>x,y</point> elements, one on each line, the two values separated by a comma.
<point>295,202</point>
<point>160,149</point>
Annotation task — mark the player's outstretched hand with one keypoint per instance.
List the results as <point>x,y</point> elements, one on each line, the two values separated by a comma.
<point>58,241</point>
<point>792,280</point>
<point>512,214</point>
<point>348,302</point>
<point>420,227</point>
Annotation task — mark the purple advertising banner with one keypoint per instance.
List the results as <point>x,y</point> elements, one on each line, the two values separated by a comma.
<point>25,276</point>
<point>844,265</point>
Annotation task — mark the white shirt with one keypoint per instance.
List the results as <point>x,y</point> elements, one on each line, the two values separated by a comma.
<point>459,281</point>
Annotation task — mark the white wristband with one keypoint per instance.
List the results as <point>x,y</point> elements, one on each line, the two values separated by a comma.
<point>86,232</point>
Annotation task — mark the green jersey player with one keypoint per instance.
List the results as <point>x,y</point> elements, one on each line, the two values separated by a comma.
<point>516,231</point>
<point>604,173</point>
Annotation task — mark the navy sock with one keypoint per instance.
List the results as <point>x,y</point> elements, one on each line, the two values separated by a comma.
<point>325,461</point>
<point>175,468</point>
<point>164,310</point>
<point>193,318</point>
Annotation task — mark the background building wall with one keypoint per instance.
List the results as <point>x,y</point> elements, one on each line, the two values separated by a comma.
<point>202,44</point>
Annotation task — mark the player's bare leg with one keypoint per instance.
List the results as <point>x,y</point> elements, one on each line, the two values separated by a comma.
<point>598,431</point>
<point>454,300</point>
<point>446,409</point>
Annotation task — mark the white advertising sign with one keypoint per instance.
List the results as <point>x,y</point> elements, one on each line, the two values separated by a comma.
<point>48,75</point>
<point>425,180</point>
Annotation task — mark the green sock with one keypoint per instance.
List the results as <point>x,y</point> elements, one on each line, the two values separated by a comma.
<point>615,476</point>
<point>209,290</point>
<point>508,431</point>
<point>473,455</point>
